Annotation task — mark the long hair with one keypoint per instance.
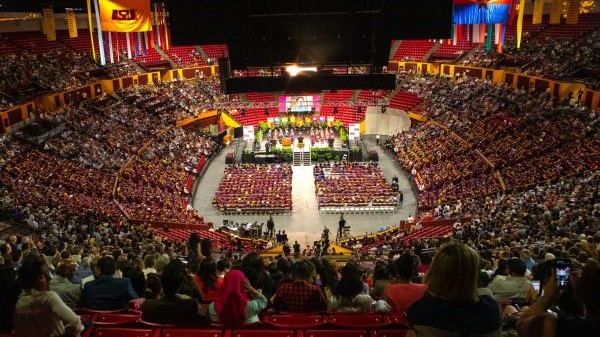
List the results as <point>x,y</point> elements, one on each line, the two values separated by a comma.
<point>350,284</point>
<point>230,305</point>
<point>207,271</point>
<point>453,273</point>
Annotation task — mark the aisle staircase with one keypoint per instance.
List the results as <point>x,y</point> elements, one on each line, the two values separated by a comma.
<point>302,158</point>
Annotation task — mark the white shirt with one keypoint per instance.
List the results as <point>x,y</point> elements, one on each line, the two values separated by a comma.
<point>43,313</point>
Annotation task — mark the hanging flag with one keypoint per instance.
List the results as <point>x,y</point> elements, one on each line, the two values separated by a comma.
<point>90,26</point>
<point>49,25</point>
<point>454,34</point>
<point>520,22</point>
<point>475,38</point>
<point>538,11</point>
<point>488,38</point>
<point>556,11</point>
<point>497,33</point>
<point>164,22</point>
<point>125,15</point>
<point>573,12</point>
<point>513,12</point>
<point>71,23</point>
<point>482,31</point>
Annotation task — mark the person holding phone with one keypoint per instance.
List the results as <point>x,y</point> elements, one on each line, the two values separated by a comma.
<point>537,321</point>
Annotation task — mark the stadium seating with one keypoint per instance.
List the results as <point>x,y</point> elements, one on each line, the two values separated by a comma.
<point>215,51</point>
<point>412,50</point>
<point>404,101</point>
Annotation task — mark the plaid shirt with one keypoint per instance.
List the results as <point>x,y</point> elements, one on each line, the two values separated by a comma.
<point>299,296</point>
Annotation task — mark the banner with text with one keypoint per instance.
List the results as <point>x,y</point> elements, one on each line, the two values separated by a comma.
<point>125,15</point>
<point>49,25</point>
<point>72,23</point>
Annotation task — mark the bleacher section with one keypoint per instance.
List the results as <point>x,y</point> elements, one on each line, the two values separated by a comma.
<point>260,97</point>
<point>412,50</point>
<point>34,41</point>
<point>215,50</point>
<point>346,114</point>
<point>81,43</point>
<point>450,51</point>
<point>404,101</point>
<point>255,115</point>
<point>342,95</point>
<point>185,56</point>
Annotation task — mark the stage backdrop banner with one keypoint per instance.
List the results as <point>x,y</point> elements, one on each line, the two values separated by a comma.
<point>71,23</point>
<point>125,15</point>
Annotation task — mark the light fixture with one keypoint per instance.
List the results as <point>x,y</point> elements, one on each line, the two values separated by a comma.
<point>294,70</point>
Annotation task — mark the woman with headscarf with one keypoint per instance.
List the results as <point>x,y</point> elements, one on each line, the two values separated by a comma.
<point>238,302</point>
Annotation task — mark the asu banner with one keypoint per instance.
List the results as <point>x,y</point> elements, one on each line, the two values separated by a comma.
<point>125,15</point>
<point>71,23</point>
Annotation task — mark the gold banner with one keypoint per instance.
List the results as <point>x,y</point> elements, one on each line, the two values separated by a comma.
<point>556,12</point>
<point>520,22</point>
<point>573,12</point>
<point>125,15</point>
<point>538,11</point>
<point>49,25</point>
<point>72,23</point>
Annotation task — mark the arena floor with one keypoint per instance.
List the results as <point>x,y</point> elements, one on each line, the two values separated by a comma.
<point>306,224</point>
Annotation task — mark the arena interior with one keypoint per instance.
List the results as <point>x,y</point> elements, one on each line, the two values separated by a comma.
<point>299,168</point>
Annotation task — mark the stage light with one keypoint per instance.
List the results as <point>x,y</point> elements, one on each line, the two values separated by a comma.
<point>294,70</point>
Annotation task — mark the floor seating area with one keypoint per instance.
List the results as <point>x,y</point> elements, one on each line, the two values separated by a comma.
<point>255,189</point>
<point>352,185</point>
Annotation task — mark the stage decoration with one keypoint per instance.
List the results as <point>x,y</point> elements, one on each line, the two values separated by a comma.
<point>125,15</point>
<point>482,16</point>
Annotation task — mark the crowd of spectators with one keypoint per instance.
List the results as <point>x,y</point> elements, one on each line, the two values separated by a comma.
<point>352,184</point>
<point>253,188</point>
<point>545,56</point>
<point>479,129</point>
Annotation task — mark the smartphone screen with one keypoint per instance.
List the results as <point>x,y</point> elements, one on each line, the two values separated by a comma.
<point>563,271</point>
<point>536,286</point>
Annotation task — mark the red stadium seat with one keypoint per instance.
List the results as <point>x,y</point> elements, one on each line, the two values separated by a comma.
<point>115,319</point>
<point>336,333</point>
<point>390,333</point>
<point>296,321</point>
<point>125,332</point>
<point>262,333</point>
<point>359,321</point>
<point>190,333</point>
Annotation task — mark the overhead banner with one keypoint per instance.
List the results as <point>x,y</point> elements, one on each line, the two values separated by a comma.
<point>71,23</point>
<point>556,11</point>
<point>470,12</point>
<point>125,15</point>
<point>538,11</point>
<point>49,25</point>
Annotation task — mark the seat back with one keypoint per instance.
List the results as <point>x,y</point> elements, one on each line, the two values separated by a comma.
<point>115,319</point>
<point>359,321</point>
<point>336,333</point>
<point>191,333</point>
<point>124,332</point>
<point>296,321</point>
<point>262,333</point>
